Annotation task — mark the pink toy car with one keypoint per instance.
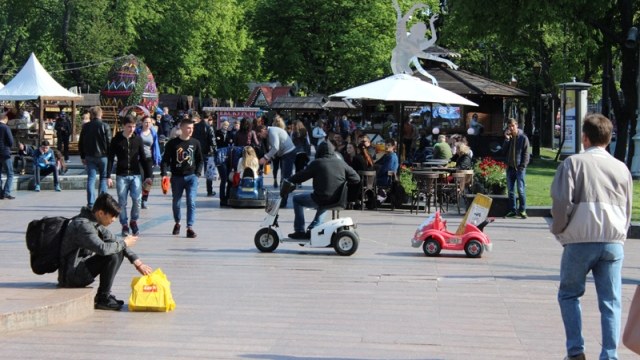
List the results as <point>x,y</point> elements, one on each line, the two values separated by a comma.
<point>432,234</point>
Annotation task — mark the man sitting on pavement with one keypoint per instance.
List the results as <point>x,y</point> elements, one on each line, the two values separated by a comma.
<point>89,249</point>
<point>44,163</point>
<point>329,173</point>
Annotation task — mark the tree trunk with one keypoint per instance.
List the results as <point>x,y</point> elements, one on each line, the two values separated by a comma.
<point>606,71</point>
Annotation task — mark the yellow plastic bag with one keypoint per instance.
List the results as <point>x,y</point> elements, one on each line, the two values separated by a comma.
<point>151,293</point>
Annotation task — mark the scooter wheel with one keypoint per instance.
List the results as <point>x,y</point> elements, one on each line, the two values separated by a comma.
<point>266,240</point>
<point>431,247</point>
<point>473,248</point>
<point>345,242</point>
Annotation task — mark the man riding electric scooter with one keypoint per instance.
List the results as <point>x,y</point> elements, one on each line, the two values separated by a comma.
<point>329,173</point>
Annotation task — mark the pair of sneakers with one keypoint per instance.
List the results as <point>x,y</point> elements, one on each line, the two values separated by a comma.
<point>57,188</point>
<point>190,233</point>
<point>513,214</point>
<point>107,302</point>
<point>575,357</point>
<point>131,229</point>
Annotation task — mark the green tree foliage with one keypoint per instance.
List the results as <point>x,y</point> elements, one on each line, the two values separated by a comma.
<point>569,38</point>
<point>191,46</point>
<point>325,45</point>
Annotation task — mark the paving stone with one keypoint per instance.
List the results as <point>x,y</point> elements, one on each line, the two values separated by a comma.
<point>387,301</point>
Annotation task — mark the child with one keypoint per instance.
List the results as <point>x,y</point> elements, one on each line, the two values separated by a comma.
<point>249,159</point>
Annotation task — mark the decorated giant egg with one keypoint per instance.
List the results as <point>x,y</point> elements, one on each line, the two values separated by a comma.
<point>130,84</point>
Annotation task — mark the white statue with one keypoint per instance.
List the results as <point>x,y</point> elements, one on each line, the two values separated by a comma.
<point>410,46</point>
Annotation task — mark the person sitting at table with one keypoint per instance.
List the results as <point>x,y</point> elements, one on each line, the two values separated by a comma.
<point>462,158</point>
<point>442,150</point>
<point>361,161</point>
<point>387,164</point>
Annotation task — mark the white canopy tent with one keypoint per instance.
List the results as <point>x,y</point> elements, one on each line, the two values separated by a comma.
<point>403,88</point>
<point>33,82</point>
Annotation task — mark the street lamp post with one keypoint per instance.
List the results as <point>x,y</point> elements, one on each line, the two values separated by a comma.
<point>632,43</point>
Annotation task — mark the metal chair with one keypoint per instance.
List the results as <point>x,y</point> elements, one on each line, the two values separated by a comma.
<point>368,185</point>
<point>427,186</point>
<point>468,181</point>
<point>454,190</point>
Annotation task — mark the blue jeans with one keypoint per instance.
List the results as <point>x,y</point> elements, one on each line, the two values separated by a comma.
<point>126,185</point>
<point>604,260</point>
<point>301,201</point>
<point>41,172</point>
<point>188,184</point>
<point>287,162</point>
<point>515,180</point>
<point>7,164</point>
<point>95,165</point>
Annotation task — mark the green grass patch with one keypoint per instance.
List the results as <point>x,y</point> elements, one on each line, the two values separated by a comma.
<point>540,174</point>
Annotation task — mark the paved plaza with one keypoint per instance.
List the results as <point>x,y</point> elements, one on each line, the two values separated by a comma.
<point>388,301</point>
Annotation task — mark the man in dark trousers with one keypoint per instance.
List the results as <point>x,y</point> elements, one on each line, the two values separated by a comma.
<point>89,249</point>
<point>93,145</point>
<point>166,123</point>
<point>280,146</point>
<point>184,156</point>
<point>329,173</point>
<point>516,145</point>
<point>205,134</point>
<point>6,143</point>
<point>63,131</point>
<point>128,148</point>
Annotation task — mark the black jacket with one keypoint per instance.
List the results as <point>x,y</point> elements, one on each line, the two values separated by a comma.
<point>224,138</point>
<point>95,139</point>
<point>205,135</point>
<point>130,154</point>
<point>6,141</point>
<point>84,238</point>
<point>63,127</point>
<point>463,162</point>
<point>328,173</point>
<point>520,155</point>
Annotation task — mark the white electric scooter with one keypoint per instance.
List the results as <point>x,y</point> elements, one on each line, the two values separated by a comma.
<point>338,233</point>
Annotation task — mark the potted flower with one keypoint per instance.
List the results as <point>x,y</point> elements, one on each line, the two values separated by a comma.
<point>491,175</point>
<point>406,180</point>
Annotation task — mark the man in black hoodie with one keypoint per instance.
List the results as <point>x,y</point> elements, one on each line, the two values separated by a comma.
<point>129,149</point>
<point>329,173</point>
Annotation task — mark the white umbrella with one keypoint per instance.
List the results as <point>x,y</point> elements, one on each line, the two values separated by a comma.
<point>404,88</point>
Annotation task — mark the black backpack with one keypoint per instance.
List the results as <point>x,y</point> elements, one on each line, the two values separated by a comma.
<point>44,237</point>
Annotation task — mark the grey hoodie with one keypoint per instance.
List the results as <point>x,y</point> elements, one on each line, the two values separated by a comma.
<point>84,238</point>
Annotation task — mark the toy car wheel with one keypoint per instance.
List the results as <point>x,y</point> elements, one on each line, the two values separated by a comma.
<point>431,247</point>
<point>345,242</point>
<point>474,248</point>
<point>266,240</point>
